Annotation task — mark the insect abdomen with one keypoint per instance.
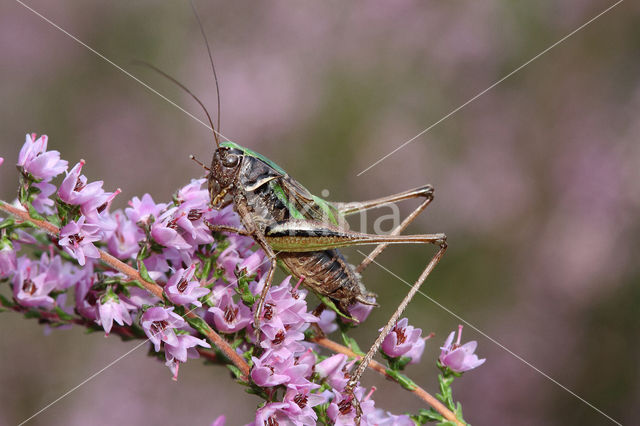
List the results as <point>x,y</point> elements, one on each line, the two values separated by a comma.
<point>327,273</point>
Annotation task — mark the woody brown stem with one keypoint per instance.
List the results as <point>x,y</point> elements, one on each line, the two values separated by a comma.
<point>133,274</point>
<point>374,365</point>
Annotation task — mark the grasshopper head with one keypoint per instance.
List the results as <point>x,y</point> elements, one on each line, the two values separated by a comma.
<point>225,167</point>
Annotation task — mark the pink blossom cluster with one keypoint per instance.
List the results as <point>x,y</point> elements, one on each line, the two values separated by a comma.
<point>217,276</point>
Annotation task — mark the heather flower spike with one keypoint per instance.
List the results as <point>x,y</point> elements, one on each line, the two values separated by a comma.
<point>457,357</point>
<point>37,161</point>
<point>190,283</point>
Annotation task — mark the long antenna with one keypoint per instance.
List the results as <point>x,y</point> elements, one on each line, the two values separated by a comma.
<point>183,87</point>
<point>213,67</point>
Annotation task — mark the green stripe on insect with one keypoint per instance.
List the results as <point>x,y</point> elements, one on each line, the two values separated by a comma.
<point>282,196</point>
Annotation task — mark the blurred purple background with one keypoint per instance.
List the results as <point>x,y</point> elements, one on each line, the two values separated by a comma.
<point>537,182</point>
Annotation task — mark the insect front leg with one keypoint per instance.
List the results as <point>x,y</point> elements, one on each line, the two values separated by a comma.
<point>253,231</point>
<point>225,228</point>
<point>260,239</point>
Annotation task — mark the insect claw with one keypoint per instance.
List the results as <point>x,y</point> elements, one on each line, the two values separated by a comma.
<point>353,400</point>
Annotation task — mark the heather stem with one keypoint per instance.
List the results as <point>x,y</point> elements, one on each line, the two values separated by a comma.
<point>132,273</point>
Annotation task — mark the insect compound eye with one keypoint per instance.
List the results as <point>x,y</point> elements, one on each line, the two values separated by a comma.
<point>230,160</point>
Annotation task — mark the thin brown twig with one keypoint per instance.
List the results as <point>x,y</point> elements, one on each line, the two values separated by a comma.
<point>374,365</point>
<point>132,273</point>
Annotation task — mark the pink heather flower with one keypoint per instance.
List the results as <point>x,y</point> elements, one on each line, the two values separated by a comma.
<point>263,374</point>
<point>42,203</point>
<point>142,210</point>
<point>271,369</point>
<point>384,418</point>
<point>123,242</point>
<point>96,209</point>
<point>86,298</point>
<point>226,216</point>
<point>285,309</point>
<point>459,358</point>
<point>342,412</point>
<point>110,309</point>
<point>300,403</point>
<point>188,217</point>
<point>184,348</point>
<point>159,325</point>
<point>61,274</point>
<point>415,353</point>
<point>283,342</point>
<point>360,311</point>
<point>75,190</point>
<point>139,297</point>
<point>308,361</point>
<point>1,161</point>
<point>334,370</point>
<point>30,286</point>
<point>253,263</point>
<point>327,321</point>
<point>182,289</point>
<point>228,260</point>
<point>7,258</point>
<point>401,339</point>
<point>194,194</point>
<point>76,238</point>
<point>229,317</point>
<point>164,232</point>
<point>273,413</point>
<point>36,160</point>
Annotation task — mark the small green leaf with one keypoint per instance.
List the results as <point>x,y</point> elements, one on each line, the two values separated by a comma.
<point>429,415</point>
<point>329,304</point>
<point>6,302</point>
<point>7,222</point>
<point>403,380</point>
<point>144,273</point>
<point>199,324</point>
<point>397,364</point>
<point>33,213</point>
<point>351,343</point>
<point>62,314</point>
<point>243,288</point>
<point>237,373</point>
<point>32,313</point>
<point>54,219</point>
